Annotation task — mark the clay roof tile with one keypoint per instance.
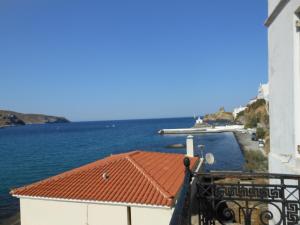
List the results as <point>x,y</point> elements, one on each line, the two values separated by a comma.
<point>136,177</point>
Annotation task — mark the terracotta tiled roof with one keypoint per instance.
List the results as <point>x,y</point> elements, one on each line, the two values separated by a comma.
<point>137,177</point>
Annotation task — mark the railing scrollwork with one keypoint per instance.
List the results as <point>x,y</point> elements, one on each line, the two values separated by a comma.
<point>258,198</point>
<point>242,198</point>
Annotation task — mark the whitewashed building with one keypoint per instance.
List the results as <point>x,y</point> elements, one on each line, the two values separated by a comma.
<point>284,84</point>
<point>263,92</point>
<point>237,110</point>
<point>253,100</point>
<point>135,188</point>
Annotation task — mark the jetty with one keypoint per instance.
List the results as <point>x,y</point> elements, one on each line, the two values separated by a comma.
<point>216,129</point>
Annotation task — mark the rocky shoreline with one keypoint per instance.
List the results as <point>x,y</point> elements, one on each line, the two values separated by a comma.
<point>11,118</point>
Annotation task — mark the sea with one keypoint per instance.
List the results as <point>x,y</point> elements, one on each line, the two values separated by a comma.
<point>34,152</point>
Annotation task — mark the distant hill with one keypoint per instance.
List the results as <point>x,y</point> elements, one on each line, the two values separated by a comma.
<point>10,118</point>
<point>220,116</point>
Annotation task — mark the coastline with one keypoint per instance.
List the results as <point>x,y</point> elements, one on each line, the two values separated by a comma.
<point>256,159</point>
<point>243,139</point>
<point>6,126</point>
<point>98,129</point>
<point>14,125</point>
<point>245,142</point>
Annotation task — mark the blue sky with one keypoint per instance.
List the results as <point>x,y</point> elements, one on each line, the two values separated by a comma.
<point>119,59</point>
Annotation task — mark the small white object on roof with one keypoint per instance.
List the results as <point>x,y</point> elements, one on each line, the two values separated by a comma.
<point>105,176</point>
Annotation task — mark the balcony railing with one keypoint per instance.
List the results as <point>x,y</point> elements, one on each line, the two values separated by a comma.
<point>240,198</point>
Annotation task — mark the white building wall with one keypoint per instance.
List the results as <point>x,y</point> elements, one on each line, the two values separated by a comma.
<point>42,212</point>
<point>283,100</point>
<point>284,97</point>
<point>272,4</point>
<point>297,85</point>
<point>52,212</point>
<point>150,216</point>
<point>106,215</point>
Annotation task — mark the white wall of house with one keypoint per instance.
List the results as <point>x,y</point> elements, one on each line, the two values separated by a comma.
<point>150,216</point>
<point>42,212</point>
<point>106,214</point>
<point>272,4</point>
<point>49,212</point>
<point>284,90</point>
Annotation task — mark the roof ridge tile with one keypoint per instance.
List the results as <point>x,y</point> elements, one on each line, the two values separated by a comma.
<point>165,193</point>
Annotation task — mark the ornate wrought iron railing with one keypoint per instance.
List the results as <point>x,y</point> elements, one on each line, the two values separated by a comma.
<point>248,198</point>
<point>242,198</point>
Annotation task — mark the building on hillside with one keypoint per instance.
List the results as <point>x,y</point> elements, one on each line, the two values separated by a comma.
<point>253,100</point>
<point>284,80</point>
<point>263,92</point>
<point>236,111</point>
<point>135,188</point>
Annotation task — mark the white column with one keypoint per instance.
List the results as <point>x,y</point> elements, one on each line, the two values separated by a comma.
<point>190,146</point>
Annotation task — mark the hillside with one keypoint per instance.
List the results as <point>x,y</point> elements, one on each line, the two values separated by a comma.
<point>10,118</point>
<point>257,116</point>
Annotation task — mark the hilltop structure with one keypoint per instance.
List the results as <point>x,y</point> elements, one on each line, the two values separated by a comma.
<point>220,116</point>
<point>263,92</point>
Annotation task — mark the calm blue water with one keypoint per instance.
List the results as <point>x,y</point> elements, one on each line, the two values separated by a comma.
<point>33,152</point>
